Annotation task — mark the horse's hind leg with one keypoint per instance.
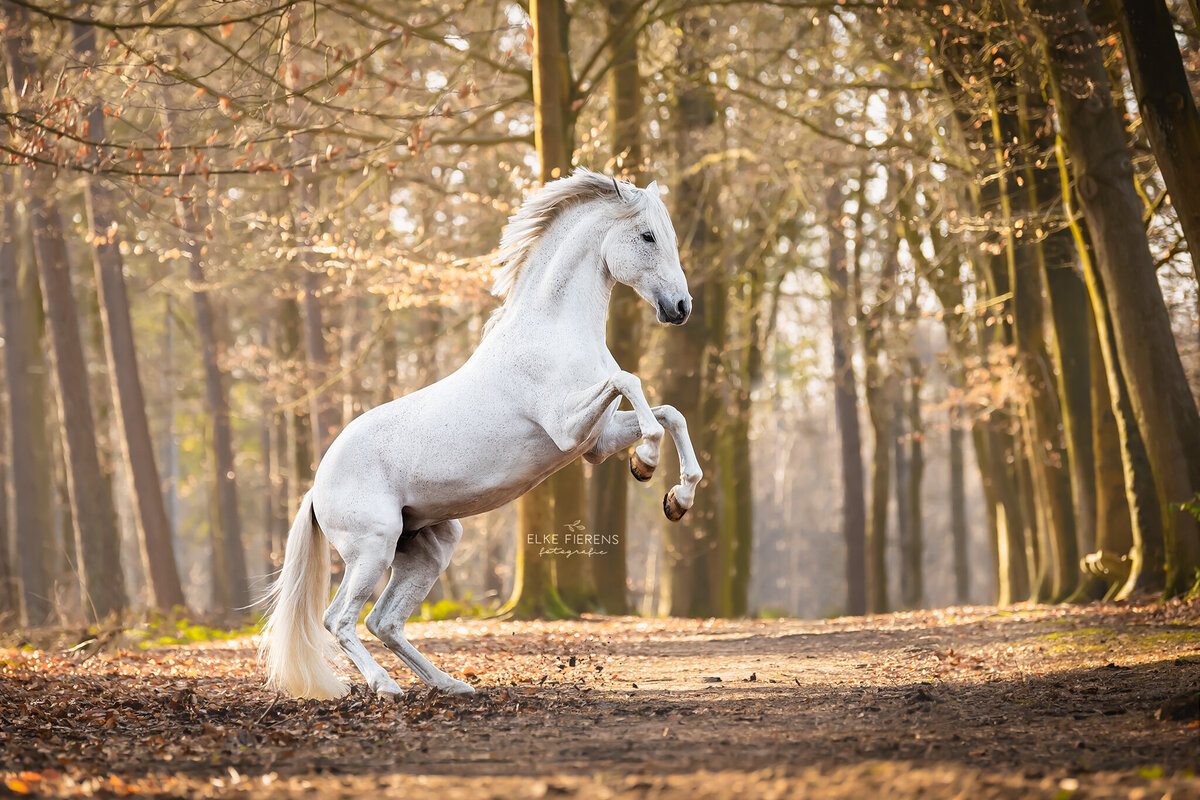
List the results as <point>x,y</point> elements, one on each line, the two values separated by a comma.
<point>418,563</point>
<point>364,568</point>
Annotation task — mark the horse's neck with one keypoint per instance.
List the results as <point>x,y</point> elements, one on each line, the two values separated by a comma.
<point>564,278</point>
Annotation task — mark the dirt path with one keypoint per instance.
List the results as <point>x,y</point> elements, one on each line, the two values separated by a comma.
<point>1098,701</point>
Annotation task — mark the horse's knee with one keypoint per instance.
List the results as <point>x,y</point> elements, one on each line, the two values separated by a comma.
<point>386,630</point>
<point>671,417</point>
<point>337,627</point>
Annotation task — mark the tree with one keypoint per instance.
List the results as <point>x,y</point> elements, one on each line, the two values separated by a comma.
<point>158,553</point>
<point>690,354</point>
<point>610,480</point>
<point>845,387</point>
<point>29,459</point>
<point>1158,389</point>
<point>93,516</point>
<point>535,593</point>
<point>1164,96</point>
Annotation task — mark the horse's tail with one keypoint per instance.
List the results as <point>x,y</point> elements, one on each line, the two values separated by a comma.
<point>295,646</point>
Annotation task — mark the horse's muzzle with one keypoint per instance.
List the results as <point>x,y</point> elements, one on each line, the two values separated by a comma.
<point>675,313</point>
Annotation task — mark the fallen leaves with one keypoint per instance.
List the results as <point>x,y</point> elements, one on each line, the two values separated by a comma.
<point>601,695</point>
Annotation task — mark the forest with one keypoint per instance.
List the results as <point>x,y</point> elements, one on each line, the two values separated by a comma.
<point>944,347</point>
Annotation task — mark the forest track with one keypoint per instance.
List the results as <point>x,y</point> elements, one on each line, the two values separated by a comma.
<point>1090,701</point>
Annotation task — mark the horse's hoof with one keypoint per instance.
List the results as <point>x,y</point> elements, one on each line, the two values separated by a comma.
<point>460,689</point>
<point>390,694</point>
<point>640,469</point>
<point>672,507</point>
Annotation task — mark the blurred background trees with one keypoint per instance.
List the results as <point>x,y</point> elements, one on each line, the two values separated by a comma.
<point>946,337</point>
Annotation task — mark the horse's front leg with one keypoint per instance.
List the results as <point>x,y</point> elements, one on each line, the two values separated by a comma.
<point>623,430</point>
<point>580,413</point>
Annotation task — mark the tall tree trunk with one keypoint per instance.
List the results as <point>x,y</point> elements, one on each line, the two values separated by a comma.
<point>689,359</point>
<point>1168,109</point>
<point>1055,567</point>
<point>610,480</point>
<point>94,520</point>
<point>10,600</point>
<point>845,403</point>
<point>302,452</point>
<point>1146,566</point>
<point>137,448</point>
<point>912,547</point>
<point>130,405</point>
<point>534,591</point>
<point>1158,388</point>
<point>878,406</point>
<point>1068,345</point>
<point>958,515</point>
<point>29,462</point>
<point>231,588</point>
<point>1138,509</point>
<point>1109,558</point>
<point>325,413</point>
<point>91,504</point>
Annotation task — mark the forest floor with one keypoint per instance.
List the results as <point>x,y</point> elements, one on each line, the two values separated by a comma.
<point>1060,702</point>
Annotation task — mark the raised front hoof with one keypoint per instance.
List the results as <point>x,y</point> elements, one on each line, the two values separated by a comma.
<point>458,688</point>
<point>642,471</point>
<point>672,507</point>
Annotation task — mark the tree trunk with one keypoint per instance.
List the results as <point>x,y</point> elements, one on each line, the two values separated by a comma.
<point>301,457</point>
<point>91,504</point>
<point>689,562</point>
<point>878,405</point>
<point>1164,96</point>
<point>1109,559</point>
<point>610,480</point>
<point>1056,567</point>
<point>230,581</point>
<point>1067,346</point>
<point>845,403</point>
<point>958,516</point>
<point>128,400</point>
<point>912,548</point>
<point>130,405</point>
<point>29,463</point>
<point>1158,388</point>
<point>10,600</point>
<point>325,414</point>
<point>1146,567</point>
<point>94,519</point>
<point>534,591</point>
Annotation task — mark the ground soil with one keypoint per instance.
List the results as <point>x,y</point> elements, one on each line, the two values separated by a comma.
<point>1095,701</point>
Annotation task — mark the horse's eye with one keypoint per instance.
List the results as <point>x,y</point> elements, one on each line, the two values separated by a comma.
<point>648,237</point>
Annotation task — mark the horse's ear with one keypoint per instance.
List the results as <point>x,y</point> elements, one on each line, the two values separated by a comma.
<point>653,188</point>
<point>617,189</point>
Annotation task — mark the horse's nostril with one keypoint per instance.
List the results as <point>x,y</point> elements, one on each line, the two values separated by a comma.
<point>681,307</point>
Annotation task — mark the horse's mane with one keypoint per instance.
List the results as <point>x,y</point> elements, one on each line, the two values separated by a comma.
<point>526,227</point>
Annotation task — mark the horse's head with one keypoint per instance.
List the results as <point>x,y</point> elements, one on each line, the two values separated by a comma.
<point>640,251</point>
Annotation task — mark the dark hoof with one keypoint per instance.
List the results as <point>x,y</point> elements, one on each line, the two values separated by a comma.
<point>671,507</point>
<point>639,468</point>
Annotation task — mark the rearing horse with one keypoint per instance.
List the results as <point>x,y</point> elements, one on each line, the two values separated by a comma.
<point>541,390</point>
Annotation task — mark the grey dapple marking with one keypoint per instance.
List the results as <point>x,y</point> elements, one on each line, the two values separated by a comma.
<point>541,389</point>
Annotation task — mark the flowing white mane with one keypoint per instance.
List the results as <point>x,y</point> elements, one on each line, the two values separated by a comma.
<point>526,227</point>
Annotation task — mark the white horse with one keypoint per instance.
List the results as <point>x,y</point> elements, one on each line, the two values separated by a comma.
<point>541,390</point>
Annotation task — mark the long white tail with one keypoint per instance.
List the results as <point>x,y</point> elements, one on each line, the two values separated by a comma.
<point>295,646</point>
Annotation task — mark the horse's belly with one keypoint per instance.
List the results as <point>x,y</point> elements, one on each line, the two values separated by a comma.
<point>442,460</point>
<point>468,486</point>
